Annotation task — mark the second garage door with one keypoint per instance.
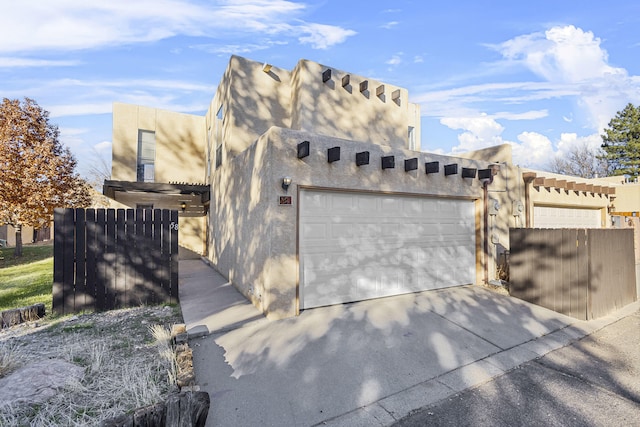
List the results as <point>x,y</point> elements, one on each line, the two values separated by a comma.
<point>357,246</point>
<point>555,217</point>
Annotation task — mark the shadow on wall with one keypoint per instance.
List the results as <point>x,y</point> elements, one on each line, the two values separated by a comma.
<point>584,273</point>
<point>183,153</point>
<point>260,101</point>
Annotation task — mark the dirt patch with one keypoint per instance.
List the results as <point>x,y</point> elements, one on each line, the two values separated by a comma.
<point>125,366</point>
<point>499,289</point>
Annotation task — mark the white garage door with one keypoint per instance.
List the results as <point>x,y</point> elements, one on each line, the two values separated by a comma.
<point>357,246</point>
<point>554,217</point>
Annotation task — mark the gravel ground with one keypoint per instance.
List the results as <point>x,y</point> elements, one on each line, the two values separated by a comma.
<point>125,365</point>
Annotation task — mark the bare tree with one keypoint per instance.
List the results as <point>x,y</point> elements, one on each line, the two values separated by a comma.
<point>98,171</point>
<point>582,161</point>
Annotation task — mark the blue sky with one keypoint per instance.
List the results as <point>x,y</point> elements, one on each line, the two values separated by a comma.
<point>542,75</point>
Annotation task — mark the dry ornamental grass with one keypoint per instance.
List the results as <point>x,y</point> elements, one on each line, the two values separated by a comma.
<point>126,356</point>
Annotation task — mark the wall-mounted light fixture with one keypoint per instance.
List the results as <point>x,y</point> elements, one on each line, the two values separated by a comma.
<point>183,206</point>
<point>286,182</point>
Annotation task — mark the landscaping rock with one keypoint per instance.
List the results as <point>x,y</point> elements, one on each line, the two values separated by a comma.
<point>187,409</point>
<point>9,318</point>
<point>38,382</point>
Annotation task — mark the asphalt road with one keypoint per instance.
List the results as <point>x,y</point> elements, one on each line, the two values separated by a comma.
<point>593,382</point>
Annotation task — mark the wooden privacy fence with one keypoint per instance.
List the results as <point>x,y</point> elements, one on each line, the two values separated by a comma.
<point>583,273</point>
<point>107,258</point>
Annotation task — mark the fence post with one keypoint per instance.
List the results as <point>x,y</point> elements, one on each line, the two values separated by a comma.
<point>63,261</point>
<point>174,258</point>
<point>120,284</point>
<point>81,254</point>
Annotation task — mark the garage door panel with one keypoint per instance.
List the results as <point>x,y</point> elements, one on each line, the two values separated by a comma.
<point>363,245</point>
<point>316,231</point>
<point>566,217</point>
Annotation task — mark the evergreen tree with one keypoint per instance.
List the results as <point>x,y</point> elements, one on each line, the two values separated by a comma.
<point>621,142</point>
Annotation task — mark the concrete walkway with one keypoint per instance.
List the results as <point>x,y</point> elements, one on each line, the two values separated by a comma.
<point>369,363</point>
<point>209,303</point>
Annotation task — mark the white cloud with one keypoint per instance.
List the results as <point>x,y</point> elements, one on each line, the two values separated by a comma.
<point>418,59</point>
<point>569,140</point>
<point>103,147</point>
<point>321,36</point>
<point>561,54</point>
<point>527,115</point>
<point>478,132</point>
<point>235,49</point>
<point>483,127</point>
<point>32,25</point>
<point>13,62</point>
<point>389,25</point>
<point>575,59</point>
<point>445,102</point>
<point>571,65</point>
<point>72,137</point>
<point>395,60</point>
<point>534,150</point>
<point>79,109</point>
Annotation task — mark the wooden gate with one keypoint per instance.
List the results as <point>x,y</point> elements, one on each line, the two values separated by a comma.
<point>107,258</point>
<point>583,273</point>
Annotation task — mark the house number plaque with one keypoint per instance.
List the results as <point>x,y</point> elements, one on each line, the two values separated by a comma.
<point>285,201</point>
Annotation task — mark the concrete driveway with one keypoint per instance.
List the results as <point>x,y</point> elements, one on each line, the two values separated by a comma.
<point>366,363</point>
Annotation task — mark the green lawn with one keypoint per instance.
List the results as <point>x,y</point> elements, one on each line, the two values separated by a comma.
<point>27,280</point>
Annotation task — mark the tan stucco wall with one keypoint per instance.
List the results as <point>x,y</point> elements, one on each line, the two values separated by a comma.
<point>254,100</point>
<point>254,240</point>
<point>504,189</point>
<point>329,109</point>
<point>27,234</point>
<point>191,235</point>
<point>627,198</point>
<point>180,143</point>
<point>555,197</point>
<point>508,187</point>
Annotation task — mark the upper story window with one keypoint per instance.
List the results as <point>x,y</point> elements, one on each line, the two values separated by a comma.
<point>412,138</point>
<point>208,152</point>
<point>146,156</point>
<point>219,118</point>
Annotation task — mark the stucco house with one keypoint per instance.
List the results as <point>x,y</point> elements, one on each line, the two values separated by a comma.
<point>307,187</point>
